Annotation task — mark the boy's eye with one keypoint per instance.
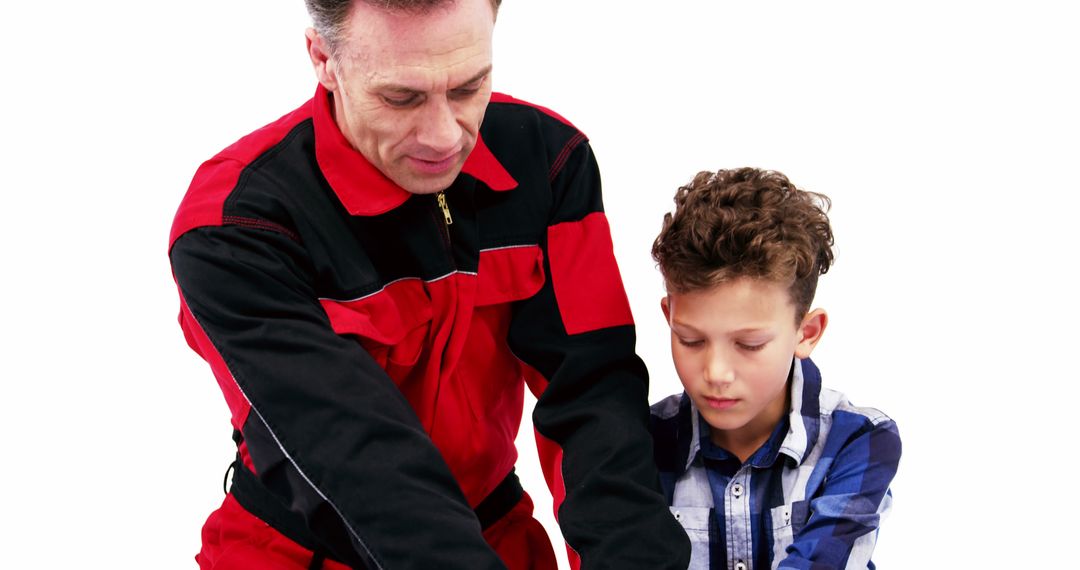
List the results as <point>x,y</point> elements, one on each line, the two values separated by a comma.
<point>751,347</point>
<point>691,343</point>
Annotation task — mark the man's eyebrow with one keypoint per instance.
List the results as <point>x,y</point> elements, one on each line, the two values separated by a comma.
<point>403,89</point>
<point>479,76</point>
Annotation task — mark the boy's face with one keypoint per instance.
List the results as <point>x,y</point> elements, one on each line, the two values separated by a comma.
<point>733,345</point>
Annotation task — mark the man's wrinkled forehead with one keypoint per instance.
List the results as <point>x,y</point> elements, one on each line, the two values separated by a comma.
<point>396,44</point>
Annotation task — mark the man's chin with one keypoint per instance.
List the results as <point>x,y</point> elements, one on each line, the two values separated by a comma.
<point>423,183</point>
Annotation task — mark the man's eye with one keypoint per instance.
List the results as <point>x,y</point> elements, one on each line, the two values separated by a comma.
<point>465,92</point>
<point>399,101</point>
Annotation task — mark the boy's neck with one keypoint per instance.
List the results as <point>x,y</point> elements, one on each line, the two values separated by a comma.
<point>744,441</point>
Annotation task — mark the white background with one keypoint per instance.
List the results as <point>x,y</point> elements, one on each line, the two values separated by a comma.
<point>945,132</point>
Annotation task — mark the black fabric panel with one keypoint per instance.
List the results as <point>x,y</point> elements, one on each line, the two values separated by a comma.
<point>331,409</point>
<point>350,256</point>
<point>595,408</point>
<point>580,170</point>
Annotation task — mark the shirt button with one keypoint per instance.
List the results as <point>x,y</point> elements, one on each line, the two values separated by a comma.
<point>737,490</point>
<point>678,516</point>
<point>740,565</point>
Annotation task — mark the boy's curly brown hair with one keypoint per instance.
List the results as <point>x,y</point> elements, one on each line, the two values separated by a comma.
<point>746,223</point>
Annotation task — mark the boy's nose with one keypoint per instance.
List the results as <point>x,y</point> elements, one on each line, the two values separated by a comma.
<point>717,370</point>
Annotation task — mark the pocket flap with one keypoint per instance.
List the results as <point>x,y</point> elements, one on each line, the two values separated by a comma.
<point>385,316</point>
<point>509,274</point>
<point>790,515</point>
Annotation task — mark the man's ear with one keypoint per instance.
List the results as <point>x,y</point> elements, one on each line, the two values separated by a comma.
<point>326,70</point>
<point>665,306</point>
<point>810,331</point>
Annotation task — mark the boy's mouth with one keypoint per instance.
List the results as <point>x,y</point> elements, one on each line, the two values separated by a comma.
<point>720,403</point>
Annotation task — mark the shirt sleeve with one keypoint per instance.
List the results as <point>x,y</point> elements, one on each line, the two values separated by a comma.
<point>326,429</point>
<point>592,414</point>
<point>844,519</point>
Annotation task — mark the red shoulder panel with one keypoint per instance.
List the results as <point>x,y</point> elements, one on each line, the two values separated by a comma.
<point>216,178</point>
<point>585,276</point>
<point>504,98</point>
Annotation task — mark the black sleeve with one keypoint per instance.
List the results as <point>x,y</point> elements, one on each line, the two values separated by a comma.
<point>329,431</point>
<point>593,412</point>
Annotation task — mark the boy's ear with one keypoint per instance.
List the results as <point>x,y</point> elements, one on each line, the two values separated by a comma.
<point>665,306</point>
<point>810,331</point>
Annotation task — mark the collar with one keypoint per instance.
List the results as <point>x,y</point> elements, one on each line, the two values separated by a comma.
<point>803,423</point>
<point>363,189</point>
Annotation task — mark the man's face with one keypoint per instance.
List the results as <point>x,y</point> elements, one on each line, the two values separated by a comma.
<point>410,90</point>
<point>733,346</point>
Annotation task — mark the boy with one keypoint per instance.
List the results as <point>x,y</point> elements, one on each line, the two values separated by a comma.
<point>762,466</point>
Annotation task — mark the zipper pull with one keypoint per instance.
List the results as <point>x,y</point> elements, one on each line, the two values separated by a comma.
<point>445,209</point>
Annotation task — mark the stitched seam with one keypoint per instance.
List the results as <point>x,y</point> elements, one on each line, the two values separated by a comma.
<point>564,155</point>
<point>263,158</point>
<point>260,224</point>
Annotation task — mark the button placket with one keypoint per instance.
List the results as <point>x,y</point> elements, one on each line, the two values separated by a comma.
<point>738,520</point>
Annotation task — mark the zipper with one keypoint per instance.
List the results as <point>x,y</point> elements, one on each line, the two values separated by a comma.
<point>441,197</point>
<point>440,203</point>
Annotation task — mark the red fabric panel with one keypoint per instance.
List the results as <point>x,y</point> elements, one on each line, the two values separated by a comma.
<point>234,539</point>
<point>588,287</point>
<point>238,404</point>
<point>504,98</point>
<point>551,456</point>
<point>386,316</point>
<point>509,274</point>
<point>520,540</point>
<point>216,178</point>
<point>482,165</point>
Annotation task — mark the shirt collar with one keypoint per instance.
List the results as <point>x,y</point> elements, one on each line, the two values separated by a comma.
<point>802,426</point>
<point>362,188</point>
<point>804,421</point>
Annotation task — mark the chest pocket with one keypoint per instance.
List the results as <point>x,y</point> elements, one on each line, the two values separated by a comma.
<point>488,373</point>
<point>509,274</point>
<point>695,521</point>
<point>391,324</point>
<point>787,521</point>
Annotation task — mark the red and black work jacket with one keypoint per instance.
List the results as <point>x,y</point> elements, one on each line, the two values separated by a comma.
<point>373,354</point>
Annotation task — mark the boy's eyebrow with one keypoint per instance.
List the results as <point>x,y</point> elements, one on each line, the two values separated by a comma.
<point>397,88</point>
<point>744,330</point>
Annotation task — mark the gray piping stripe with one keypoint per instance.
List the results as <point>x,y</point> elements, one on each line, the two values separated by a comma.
<point>383,288</point>
<point>232,377</point>
<point>356,535</point>
<point>362,297</point>
<point>510,247</point>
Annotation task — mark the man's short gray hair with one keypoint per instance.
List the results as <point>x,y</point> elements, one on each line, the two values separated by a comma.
<point>329,16</point>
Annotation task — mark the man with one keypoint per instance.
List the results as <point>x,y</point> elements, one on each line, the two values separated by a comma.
<point>373,279</point>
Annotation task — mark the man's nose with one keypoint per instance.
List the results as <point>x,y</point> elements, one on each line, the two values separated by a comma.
<point>439,129</point>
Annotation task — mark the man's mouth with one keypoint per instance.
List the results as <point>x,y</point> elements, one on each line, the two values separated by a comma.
<point>438,166</point>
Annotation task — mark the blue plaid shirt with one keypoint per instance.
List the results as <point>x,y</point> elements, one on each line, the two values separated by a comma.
<point>811,497</point>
